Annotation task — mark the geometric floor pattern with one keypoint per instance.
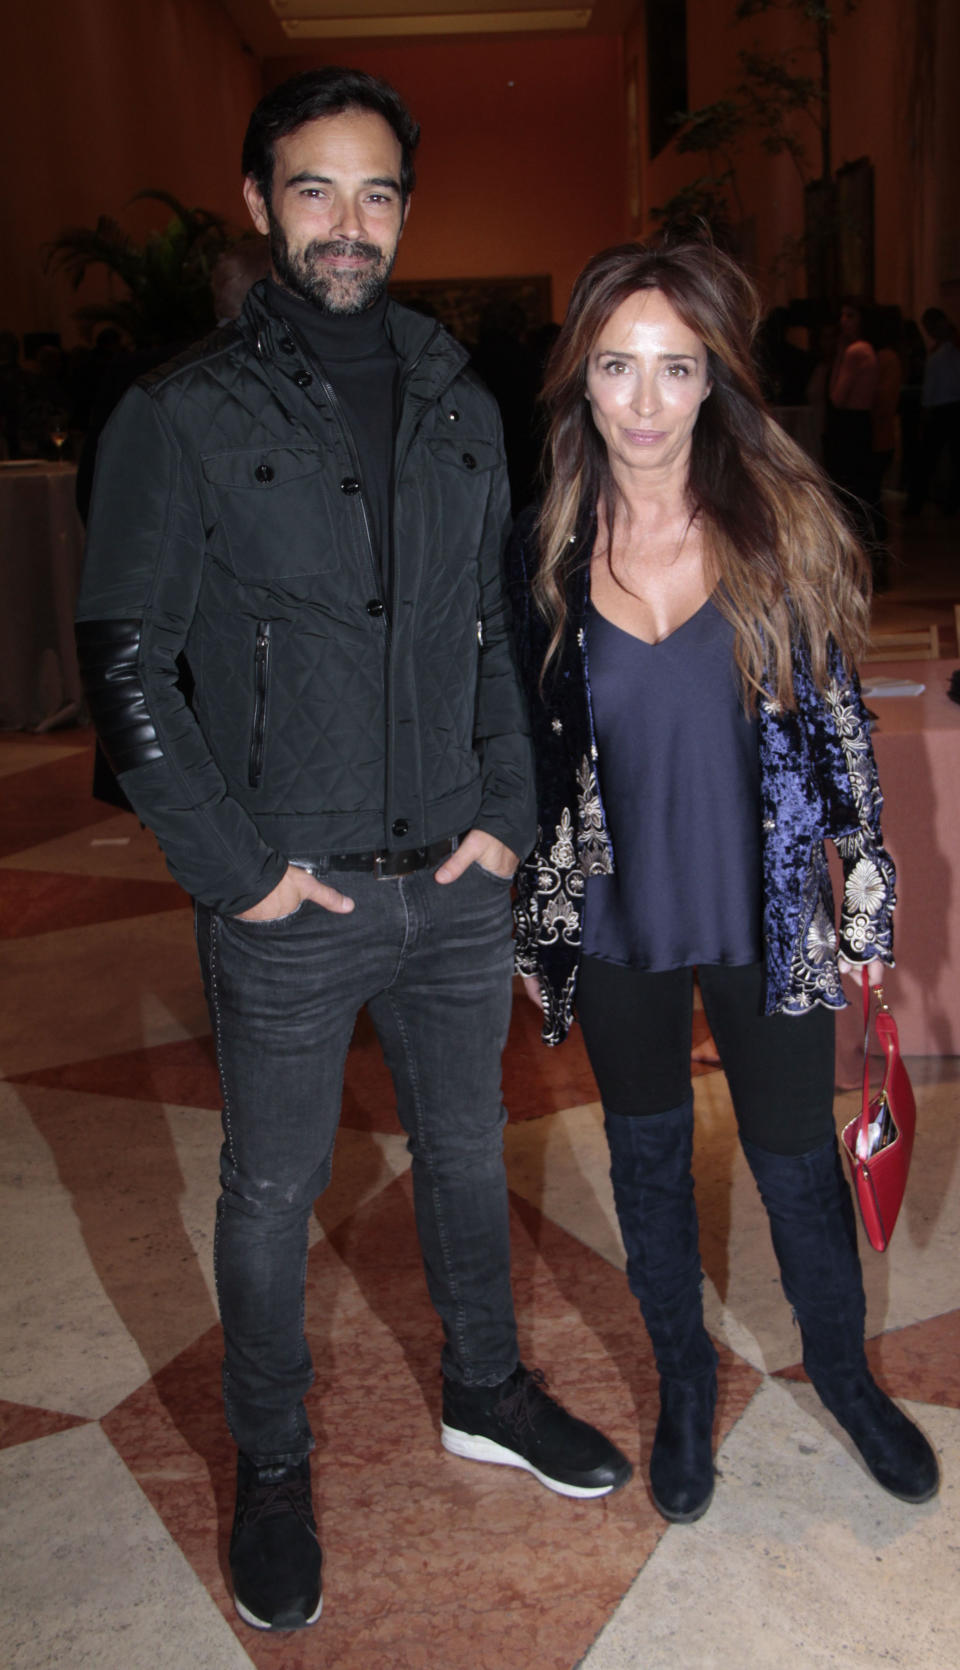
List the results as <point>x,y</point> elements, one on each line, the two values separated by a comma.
<point>115,1465</point>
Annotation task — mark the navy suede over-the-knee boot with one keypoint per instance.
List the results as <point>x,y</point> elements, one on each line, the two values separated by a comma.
<point>650,1159</point>
<point>814,1231</point>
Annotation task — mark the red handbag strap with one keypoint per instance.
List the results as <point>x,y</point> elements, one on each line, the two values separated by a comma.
<point>865,1103</point>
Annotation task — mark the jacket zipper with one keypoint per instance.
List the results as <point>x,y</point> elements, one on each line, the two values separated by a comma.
<point>355,463</point>
<point>261,668</point>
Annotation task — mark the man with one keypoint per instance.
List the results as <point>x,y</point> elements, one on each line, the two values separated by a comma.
<point>306,513</point>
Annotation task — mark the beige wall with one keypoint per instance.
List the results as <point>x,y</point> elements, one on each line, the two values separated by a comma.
<point>99,99</point>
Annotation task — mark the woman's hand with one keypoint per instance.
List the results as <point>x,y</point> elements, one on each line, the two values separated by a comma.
<point>531,986</point>
<point>876,971</point>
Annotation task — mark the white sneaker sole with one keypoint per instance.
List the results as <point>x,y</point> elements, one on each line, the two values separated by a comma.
<point>472,1447</point>
<point>261,1623</point>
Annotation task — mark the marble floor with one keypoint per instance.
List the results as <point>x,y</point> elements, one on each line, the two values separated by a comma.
<point>115,1467</point>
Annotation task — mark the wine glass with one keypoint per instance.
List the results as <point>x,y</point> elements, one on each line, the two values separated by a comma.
<point>59,435</point>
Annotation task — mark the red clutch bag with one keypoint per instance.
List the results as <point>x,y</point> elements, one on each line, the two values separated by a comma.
<point>879,1142</point>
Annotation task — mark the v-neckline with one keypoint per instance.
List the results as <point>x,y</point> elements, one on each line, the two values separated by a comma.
<point>649,643</point>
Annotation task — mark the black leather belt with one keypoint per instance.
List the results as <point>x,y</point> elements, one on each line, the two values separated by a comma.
<point>385,864</point>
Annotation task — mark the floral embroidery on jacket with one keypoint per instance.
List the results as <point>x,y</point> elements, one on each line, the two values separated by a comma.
<point>866,927</point>
<point>814,976</point>
<point>596,855</point>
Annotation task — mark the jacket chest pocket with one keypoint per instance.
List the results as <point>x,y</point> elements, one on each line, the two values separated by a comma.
<point>278,511</point>
<point>451,479</point>
<point>463,460</point>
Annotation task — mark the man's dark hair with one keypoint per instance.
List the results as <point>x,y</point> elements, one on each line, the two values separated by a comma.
<point>326,92</point>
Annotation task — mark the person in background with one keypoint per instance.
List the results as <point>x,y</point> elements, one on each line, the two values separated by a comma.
<point>307,512</point>
<point>913,359</point>
<point>887,334</point>
<point>823,352</point>
<point>689,606</point>
<point>507,362</point>
<point>848,434</point>
<point>784,369</point>
<point>940,400</point>
<point>239,267</point>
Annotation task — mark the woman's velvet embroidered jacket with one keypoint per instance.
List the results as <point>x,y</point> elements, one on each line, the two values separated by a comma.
<point>818,779</point>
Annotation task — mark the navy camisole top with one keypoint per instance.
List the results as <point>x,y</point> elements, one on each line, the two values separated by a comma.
<point>680,780</point>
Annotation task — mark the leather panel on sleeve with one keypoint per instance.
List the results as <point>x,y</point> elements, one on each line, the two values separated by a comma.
<point>108,652</point>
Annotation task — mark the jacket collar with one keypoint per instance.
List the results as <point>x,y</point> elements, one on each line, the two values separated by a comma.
<point>428,354</point>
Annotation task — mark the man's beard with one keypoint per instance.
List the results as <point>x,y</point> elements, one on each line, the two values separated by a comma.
<point>338,290</point>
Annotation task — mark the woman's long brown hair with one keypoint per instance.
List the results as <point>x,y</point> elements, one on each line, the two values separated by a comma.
<point>784,562</point>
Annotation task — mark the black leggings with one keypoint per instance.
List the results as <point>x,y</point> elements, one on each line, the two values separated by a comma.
<point>638,1031</point>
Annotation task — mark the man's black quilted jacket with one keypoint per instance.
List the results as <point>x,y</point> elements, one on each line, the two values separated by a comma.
<point>228,532</point>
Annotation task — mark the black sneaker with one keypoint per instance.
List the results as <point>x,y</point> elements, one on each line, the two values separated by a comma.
<point>516,1424</point>
<point>274,1553</point>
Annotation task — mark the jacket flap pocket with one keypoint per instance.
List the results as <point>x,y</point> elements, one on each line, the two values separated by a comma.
<point>260,469</point>
<point>469,454</point>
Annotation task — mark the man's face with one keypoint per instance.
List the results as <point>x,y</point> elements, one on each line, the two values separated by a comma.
<point>336,212</point>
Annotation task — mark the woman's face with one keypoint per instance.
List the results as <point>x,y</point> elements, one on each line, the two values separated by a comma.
<point>646,380</point>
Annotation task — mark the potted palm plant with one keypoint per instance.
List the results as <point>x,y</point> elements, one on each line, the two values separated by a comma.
<point>166,276</point>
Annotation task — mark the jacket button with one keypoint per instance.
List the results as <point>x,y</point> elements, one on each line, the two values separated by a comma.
<point>469,460</point>
<point>349,484</point>
<point>454,417</point>
<point>374,607</point>
<point>263,472</point>
<point>400,826</point>
<point>288,345</point>
<point>303,379</point>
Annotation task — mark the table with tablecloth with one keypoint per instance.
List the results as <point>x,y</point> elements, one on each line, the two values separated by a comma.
<point>917,743</point>
<point>41,551</point>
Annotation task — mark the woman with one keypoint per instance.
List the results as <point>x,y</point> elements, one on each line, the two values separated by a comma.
<point>689,606</point>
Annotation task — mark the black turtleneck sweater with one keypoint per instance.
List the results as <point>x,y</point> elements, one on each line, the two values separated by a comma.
<point>357,359</point>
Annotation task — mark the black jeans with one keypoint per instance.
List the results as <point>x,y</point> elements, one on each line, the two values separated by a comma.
<point>433,965</point>
<point>638,1028</point>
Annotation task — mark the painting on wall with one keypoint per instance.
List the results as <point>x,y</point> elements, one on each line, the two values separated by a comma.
<point>471,307</point>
